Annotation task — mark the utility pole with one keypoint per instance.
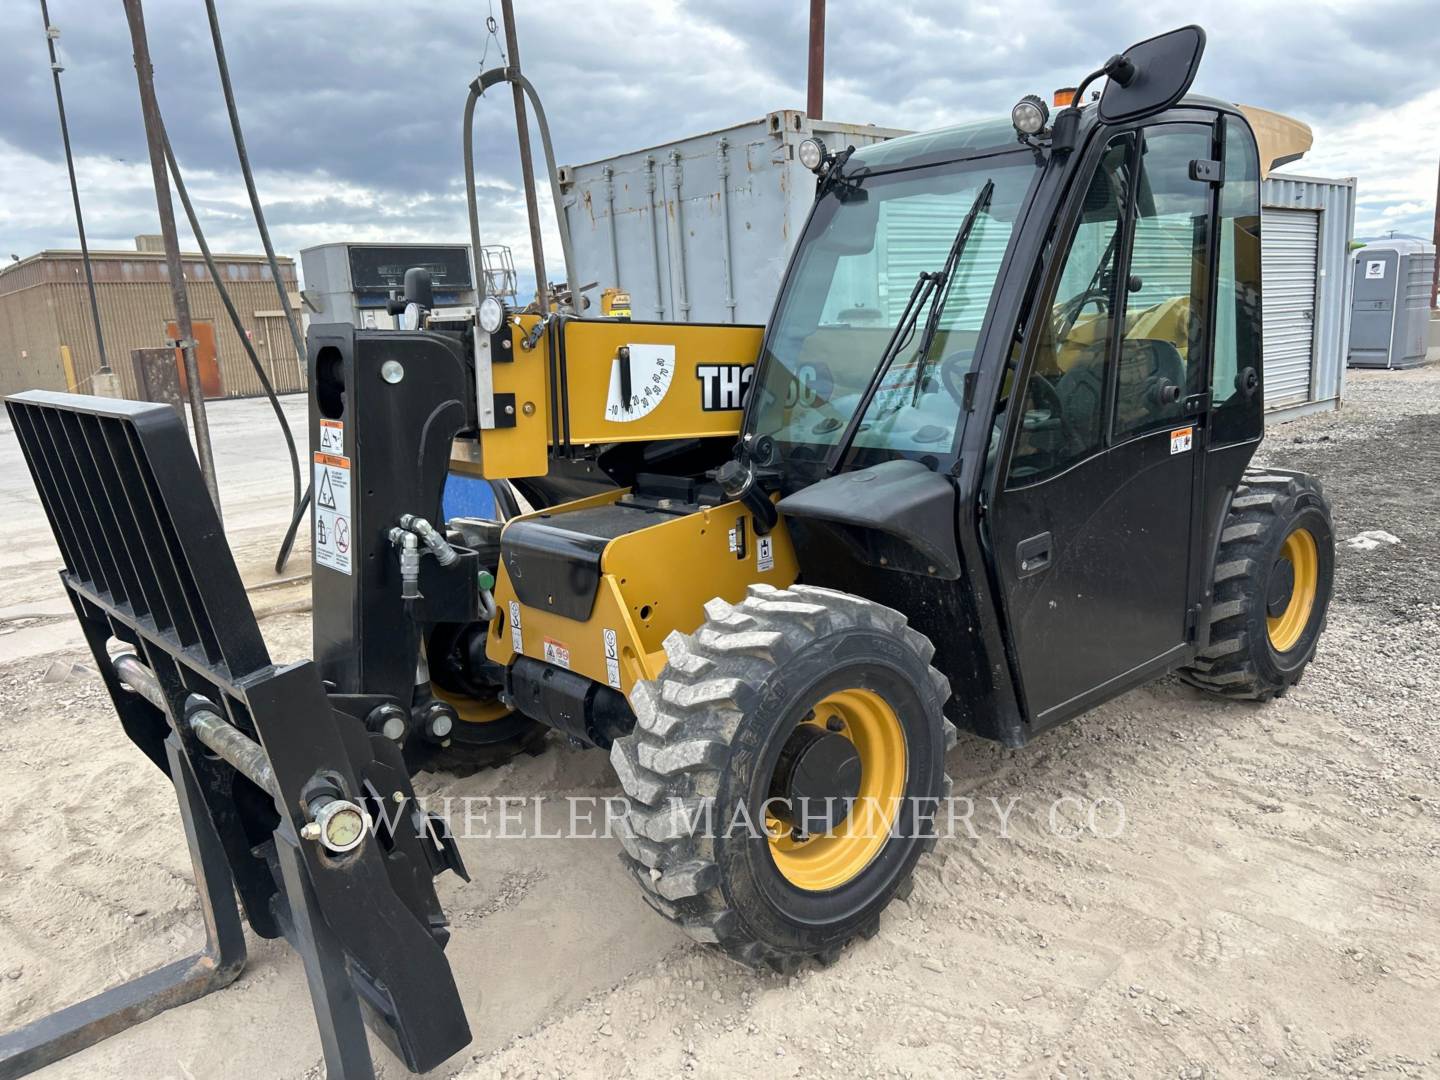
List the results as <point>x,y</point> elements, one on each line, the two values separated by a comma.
<point>50,35</point>
<point>1435,277</point>
<point>155,138</point>
<point>527,170</point>
<point>815,88</point>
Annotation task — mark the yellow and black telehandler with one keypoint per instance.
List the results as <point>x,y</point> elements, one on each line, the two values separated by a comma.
<point>769,570</point>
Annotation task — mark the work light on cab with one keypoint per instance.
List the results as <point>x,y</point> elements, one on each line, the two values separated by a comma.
<point>812,154</point>
<point>1029,115</point>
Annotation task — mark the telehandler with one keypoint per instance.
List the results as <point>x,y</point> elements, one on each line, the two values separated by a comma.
<point>770,570</point>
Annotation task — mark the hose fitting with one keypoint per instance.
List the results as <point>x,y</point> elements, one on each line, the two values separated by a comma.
<point>438,545</point>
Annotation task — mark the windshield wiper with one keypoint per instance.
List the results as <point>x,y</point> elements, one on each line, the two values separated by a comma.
<point>924,287</point>
<point>927,286</point>
<point>947,278</point>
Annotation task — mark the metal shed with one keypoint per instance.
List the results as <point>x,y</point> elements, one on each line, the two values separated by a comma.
<point>1390,313</point>
<point>1305,232</point>
<point>700,230</point>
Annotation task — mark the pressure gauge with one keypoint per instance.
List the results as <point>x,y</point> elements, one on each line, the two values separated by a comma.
<point>640,377</point>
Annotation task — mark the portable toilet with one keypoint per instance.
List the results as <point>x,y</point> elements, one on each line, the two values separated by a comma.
<point>1390,306</point>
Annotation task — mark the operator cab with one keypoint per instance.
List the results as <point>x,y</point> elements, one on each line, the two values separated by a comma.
<point>1045,337</point>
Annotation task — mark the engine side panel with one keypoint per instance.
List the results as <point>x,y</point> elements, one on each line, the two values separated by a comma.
<point>655,576</point>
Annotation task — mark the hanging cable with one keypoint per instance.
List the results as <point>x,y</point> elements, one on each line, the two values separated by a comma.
<point>230,310</point>
<point>244,157</point>
<point>295,336</point>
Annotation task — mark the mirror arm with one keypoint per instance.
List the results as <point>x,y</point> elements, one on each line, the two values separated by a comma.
<point>1067,120</point>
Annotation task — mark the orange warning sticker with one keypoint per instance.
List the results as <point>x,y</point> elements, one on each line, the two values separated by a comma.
<point>557,652</point>
<point>1182,439</point>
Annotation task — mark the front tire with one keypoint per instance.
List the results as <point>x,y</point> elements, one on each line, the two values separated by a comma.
<point>795,690</point>
<point>1274,576</point>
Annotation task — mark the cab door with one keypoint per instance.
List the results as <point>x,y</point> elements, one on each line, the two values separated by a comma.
<point>1091,526</point>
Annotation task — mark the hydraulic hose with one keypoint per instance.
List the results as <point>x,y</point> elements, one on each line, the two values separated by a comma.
<point>229,305</point>
<point>486,80</point>
<point>477,260</point>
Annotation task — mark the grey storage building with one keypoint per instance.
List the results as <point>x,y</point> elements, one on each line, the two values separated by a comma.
<point>1390,312</point>
<point>701,229</point>
<point>1305,232</point>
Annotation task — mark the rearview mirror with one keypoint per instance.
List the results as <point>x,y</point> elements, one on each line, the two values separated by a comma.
<point>1150,77</point>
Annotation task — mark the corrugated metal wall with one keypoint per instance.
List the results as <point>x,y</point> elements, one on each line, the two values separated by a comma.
<point>1290,258</point>
<point>43,305</point>
<point>655,221</point>
<point>1334,203</point>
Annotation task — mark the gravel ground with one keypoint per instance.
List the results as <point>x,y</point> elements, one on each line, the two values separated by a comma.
<point>1256,898</point>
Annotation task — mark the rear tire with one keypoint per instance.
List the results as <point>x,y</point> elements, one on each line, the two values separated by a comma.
<point>710,735</point>
<point>1274,575</point>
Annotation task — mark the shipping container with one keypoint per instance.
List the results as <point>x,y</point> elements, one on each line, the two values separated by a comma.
<point>698,230</point>
<point>701,229</point>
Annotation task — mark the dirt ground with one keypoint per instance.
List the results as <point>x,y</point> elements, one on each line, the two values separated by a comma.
<point>1257,896</point>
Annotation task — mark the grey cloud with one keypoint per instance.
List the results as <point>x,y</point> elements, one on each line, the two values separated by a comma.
<point>369,95</point>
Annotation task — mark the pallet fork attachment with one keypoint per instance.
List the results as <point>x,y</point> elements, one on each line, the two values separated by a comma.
<point>255,752</point>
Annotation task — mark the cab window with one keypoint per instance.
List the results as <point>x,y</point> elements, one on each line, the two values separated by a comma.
<point>1162,345</point>
<point>1062,404</point>
<point>1234,383</point>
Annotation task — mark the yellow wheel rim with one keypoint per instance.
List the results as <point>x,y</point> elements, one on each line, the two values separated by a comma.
<point>828,860</point>
<point>1303,556</point>
<point>471,711</point>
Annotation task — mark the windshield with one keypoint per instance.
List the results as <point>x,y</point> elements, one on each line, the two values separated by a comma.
<point>860,260</point>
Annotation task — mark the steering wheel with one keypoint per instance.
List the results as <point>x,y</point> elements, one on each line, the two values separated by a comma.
<point>1069,313</point>
<point>1041,387</point>
<point>953,369</point>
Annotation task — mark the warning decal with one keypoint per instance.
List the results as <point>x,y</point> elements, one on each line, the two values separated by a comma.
<point>764,553</point>
<point>332,512</point>
<point>557,652</point>
<point>517,642</point>
<point>612,659</point>
<point>332,437</point>
<point>1181,440</point>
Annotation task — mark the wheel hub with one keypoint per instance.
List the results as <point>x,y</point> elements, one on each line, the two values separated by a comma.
<point>1291,592</point>
<point>1280,588</point>
<point>816,780</point>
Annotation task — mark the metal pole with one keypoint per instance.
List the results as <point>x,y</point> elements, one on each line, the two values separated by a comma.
<point>527,168</point>
<point>1435,276</point>
<point>155,138</point>
<point>50,35</point>
<point>815,95</point>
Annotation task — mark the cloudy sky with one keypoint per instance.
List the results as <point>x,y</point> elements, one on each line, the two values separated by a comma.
<point>352,107</point>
